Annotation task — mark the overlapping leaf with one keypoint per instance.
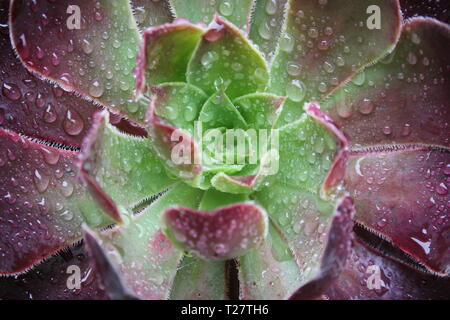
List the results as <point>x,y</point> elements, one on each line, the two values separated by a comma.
<point>317,52</point>
<point>42,205</point>
<point>86,46</point>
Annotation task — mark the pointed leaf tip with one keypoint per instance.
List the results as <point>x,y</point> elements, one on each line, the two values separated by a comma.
<point>336,252</point>
<point>114,286</point>
<point>337,171</point>
<point>224,58</point>
<point>220,234</point>
<point>85,166</point>
<point>165,52</point>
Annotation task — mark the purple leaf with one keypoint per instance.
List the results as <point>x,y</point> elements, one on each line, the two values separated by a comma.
<point>49,280</point>
<point>219,234</point>
<point>403,196</point>
<point>41,204</point>
<point>88,47</point>
<point>369,276</point>
<point>33,107</point>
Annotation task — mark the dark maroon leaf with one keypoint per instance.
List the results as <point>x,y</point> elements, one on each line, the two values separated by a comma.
<point>36,108</point>
<point>396,281</point>
<point>403,195</point>
<point>41,204</point>
<point>48,281</point>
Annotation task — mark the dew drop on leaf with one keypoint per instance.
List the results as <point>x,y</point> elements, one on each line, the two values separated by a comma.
<point>295,90</point>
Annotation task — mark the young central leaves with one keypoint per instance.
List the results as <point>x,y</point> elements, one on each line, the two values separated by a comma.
<point>225,59</point>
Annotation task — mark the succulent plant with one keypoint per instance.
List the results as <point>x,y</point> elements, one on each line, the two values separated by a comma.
<point>214,149</point>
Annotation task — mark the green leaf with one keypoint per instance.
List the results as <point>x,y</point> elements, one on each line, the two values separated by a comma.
<point>179,103</point>
<point>199,280</point>
<point>236,11</point>
<point>124,166</point>
<point>260,110</point>
<point>145,258</point>
<point>213,199</point>
<point>300,199</point>
<point>225,183</point>
<point>178,151</point>
<point>225,58</point>
<point>165,53</point>
<point>269,272</point>
<point>318,53</point>
<point>219,111</point>
<point>306,152</point>
<point>266,25</point>
<point>151,13</point>
<point>317,232</point>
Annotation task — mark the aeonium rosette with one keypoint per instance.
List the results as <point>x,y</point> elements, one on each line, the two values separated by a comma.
<point>235,152</point>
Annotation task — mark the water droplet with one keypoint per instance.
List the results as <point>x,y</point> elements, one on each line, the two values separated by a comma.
<point>73,123</point>
<point>208,58</point>
<point>442,189</point>
<point>293,68</point>
<point>10,198</point>
<point>322,87</point>
<point>236,66</point>
<point>344,109</point>
<point>67,215</point>
<point>387,130</point>
<point>66,81</point>
<point>313,32</point>
<point>171,113</point>
<point>41,181</point>
<point>189,113</point>
<point>51,156</point>
<point>264,31</point>
<point>328,31</point>
<point>271,7</point>
<point>66,189</point>
<point>366,106</point>
<point>226,8</point>
<point>406,131</point>
<point>340,61</point>
<point>359,79</point>
<point>55,59</point>
<point>415,38</point>
<point>87,46</point>
<point>329,67</point>
<point>40,100</point>
<point>287,43</point>
<point>261,76</point>
<point>295,90</point>
<point>382,223</point>
<point>23,47</point>
<point>96,89</point>
<point>412,58</point>
<point>11,91</point>
<point>323,45</point>
<point>50,114</point>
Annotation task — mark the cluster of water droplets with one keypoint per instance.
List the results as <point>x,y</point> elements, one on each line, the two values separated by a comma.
<point>97,64</point>
<point>39,196</point>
